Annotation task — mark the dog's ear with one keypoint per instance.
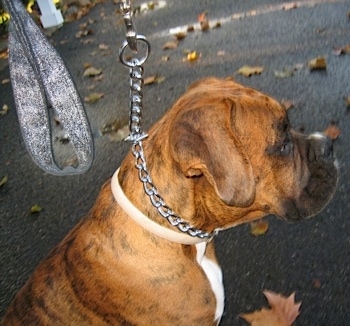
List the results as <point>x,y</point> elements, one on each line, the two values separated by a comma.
<point>205,144</point>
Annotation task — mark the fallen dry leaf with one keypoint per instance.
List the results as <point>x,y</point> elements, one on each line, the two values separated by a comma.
<point>347,101</point>
<point>343,50</point>
<point>283,73</point>
<point>83,33</point>
<point>203,21</point>
<point>318,63</point>
<point>93,97</point>
<point>153,80</point>
<point>217,25</point>
<point>287,104</point>
<point>92,72</point>
<point>5,81</point>
<point>170,45</point>
<point>221,53</point>
<point>35,209</point>
<point>4,54</point>
<point>180,35</point>
<point>190,28</point>
<point>332,132</point>
<point>3,180</point>
<point>283,311</point>
<point>103,47</point>
<point>192,56</point>
<point>165,58</point>
<point>4,110</point>
<point>290,6</point>
<point>248,71</point>
<point>259,227</point>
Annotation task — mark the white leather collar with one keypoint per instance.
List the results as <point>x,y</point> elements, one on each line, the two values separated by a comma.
<point>145,222</point>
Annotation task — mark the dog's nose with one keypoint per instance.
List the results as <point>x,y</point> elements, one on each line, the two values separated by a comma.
<point>323,145</point>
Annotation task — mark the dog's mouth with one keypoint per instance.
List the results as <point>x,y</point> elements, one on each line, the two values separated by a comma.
<point>317,193</point>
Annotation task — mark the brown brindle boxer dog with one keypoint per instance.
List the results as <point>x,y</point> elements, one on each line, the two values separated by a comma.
<point>223,155</point>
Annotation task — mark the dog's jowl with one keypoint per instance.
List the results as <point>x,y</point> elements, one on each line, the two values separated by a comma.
<point>223,155</point>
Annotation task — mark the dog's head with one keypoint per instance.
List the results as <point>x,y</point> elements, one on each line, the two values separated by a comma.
<point>237,147</point>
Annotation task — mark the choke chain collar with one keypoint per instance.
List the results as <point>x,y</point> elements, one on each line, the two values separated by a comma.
<point>135,42</point>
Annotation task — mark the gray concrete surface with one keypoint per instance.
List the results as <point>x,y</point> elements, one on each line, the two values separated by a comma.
<point>310,258</point>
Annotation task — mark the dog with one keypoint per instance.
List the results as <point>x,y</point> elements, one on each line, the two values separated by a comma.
<point>223,155</point>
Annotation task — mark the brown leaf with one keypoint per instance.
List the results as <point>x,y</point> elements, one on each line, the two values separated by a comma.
<point>180,35</point>
<point>93,97</point>
<point>190,28</point>
<point>343,50</point>
<point>283,311</point>
<point>259,227</point>
<point>202,16</point>
<point>204,25</point>
<point>5,81</point>
<point>83,33</point>
<point>287,104</point>
<point>289,6</point>
<point>103,47</point>
<point>248,71</point>
<point>4,54</point>
<point>318,63</point>
<point>347,101</point>
<point>332,132</point>
<point>170,45</point>
<point>153,80</point>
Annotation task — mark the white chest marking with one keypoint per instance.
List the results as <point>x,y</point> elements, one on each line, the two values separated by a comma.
<point>214,275</point>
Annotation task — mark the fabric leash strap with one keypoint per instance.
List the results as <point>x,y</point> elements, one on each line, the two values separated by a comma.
<point>40,81</point>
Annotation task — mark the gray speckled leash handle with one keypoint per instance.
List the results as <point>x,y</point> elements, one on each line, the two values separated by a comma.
<point>40,81</point>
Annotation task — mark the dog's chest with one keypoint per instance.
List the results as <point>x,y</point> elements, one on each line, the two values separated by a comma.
<point>214,275</point>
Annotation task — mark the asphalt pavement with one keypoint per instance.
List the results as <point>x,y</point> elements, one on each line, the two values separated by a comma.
<point>310,258</point>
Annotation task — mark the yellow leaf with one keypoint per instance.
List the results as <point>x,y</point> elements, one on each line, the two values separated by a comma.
<point>3,180</point>
<point>35,209</point>
<point>259,227</point>
<point>192,56</point>
<point>283,311</point>
<point>318,63</point>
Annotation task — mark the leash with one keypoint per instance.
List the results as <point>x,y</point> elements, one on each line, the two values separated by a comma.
<point>134,62</point>
<point>40,82</point>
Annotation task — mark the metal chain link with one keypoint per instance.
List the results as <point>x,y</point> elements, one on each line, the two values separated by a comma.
<point>137,135</point>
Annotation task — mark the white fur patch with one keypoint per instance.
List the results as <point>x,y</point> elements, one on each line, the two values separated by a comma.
<point>214,275</point>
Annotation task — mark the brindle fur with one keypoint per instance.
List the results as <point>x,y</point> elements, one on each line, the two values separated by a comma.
<point>216,157</point>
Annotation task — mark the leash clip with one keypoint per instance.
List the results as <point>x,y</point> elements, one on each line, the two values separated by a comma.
<point>131,34</point>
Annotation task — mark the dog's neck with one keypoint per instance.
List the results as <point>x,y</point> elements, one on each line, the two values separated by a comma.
<point>145,222</point>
